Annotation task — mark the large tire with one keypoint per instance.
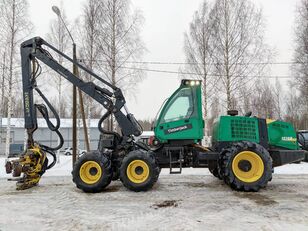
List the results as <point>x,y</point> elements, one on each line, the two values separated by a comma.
<point>213,168</point>
<point>139,171</point>
<point>245,166</point>
<point>92,172</point>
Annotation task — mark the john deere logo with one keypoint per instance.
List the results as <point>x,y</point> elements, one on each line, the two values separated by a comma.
<point>178,129</point>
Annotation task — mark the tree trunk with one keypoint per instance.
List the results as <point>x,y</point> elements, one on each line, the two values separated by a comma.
<point>2,112</point>
<point>9,113</point>
<point>113,60</point>
<point>205,114</point>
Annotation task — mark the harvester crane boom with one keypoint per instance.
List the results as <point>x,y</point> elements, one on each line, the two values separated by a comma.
<point>33,49</point>
<point>33,163</point>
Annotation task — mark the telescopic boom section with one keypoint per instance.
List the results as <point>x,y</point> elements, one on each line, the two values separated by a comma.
<point>34,48</point>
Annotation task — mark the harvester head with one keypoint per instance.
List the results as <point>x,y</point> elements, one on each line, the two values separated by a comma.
<point>28,168</point>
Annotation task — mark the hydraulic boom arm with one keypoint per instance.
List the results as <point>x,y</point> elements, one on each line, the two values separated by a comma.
<point>33,49</point>
<point>33,163</point>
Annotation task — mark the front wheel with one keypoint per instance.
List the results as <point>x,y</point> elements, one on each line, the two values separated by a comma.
<point>92,172</point>
<point>139,171</point>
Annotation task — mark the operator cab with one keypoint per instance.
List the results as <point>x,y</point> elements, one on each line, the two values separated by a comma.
<point>181,116</point>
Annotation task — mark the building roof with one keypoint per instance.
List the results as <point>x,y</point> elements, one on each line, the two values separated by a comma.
<point>65,123</point>
<point>147,133</point>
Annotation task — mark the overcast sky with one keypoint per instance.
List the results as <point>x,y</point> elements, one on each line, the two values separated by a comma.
<point>165,23</point>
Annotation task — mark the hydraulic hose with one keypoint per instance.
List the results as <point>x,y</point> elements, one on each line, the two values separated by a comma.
<point>100,128</point>
<point>44,112</point>
<point>55,128</point>
<point>47,149</point>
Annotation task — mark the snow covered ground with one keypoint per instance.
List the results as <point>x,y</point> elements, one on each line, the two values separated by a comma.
<point>176,202</point>
<point>193,201</point>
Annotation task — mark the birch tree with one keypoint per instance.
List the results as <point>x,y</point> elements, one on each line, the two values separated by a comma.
<point>293,103</point>
<point>263,100</point>
<point>120,45</point>
<point>277,90</point>
<point>300,69</point>
<point>3,101</point>
<point>198,51</point>
<point>89,33</point>
<point>239,46</point>
<point>15,27</point>
<point>59,38</point>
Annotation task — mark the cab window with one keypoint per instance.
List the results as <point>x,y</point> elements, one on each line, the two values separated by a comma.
<point>180,106</point>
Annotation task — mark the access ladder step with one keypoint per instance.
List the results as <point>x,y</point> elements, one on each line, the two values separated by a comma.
<point>175,152</point>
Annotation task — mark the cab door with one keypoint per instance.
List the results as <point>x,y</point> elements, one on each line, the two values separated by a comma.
<point>181,117</point>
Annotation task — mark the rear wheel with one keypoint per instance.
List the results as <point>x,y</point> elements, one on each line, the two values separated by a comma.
<point>92,172</point>
<point>246,166</point>
<point>139,171</point>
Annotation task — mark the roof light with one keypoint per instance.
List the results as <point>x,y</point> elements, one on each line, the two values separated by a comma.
<point>191,82</point>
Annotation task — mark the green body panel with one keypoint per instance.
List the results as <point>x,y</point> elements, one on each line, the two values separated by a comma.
<point>181,116</point>
<point>236,128</point>
<point>181,119</point>
<point>282,134</point>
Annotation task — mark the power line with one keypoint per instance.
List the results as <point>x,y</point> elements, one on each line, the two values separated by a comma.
<point>210,75</point>
<point>191,73</point>
<point>194,63</point>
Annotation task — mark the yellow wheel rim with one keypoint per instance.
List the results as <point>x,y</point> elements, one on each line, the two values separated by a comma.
<point>248,166</point>
<point>90,172</point>
<point>138,171</point>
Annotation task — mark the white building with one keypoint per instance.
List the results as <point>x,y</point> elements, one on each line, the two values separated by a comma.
<point>45,136</point>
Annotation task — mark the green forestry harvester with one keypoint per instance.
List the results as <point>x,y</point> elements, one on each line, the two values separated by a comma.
<point>244,149</point>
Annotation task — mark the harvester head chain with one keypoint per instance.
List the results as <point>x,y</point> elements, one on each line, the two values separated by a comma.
<point>32,164</point>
